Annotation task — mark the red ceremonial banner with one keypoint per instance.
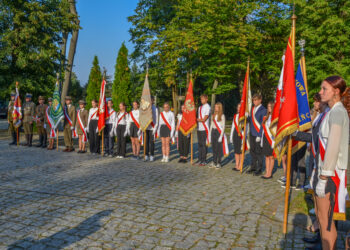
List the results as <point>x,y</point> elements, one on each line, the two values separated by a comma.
<point>189,118</point>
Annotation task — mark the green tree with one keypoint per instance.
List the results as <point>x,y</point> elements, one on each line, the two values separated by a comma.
<point>94,83</point>
<point>30,32</point>
<point>121,91</point>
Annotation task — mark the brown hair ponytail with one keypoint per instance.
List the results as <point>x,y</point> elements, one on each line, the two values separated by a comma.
<point>338,82</point>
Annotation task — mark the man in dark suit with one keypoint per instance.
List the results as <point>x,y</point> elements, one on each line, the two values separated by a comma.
<point>255,127</point>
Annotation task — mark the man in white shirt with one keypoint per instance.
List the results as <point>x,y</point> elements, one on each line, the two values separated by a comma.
<point>203,130</point>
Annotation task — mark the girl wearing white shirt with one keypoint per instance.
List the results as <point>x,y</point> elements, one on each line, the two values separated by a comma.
<point>166,130</point>
<point>120,130</point>
<point>183,140</point>
<point>329,181</point>
<point>217,135</point>
<point>134,130</point>
<point>94,139</point>
<point>108,130</point>
<point>267,142</point>
<point>236,139</point>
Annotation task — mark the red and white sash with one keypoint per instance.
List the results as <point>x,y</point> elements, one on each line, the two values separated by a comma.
<point>168,125</point>
<point>268,134</point>
<point>121,118</point>
<point>340,181</point>
<point>152,124</point>
<point>74,132</point>
<point>224,139</point>
<point>255,122</point>
<point>138,126</point>
<point>50,122</point>
<point>109,114</point>
<point>92,116</point>
<point>204,125</point>
<point>235,122</point>
<point>85,139</point>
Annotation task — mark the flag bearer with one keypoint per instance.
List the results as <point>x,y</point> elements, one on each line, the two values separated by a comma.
<point>50,131</point>
<point>152,132</point>
<point>109,132</point>
<point>255,130</point>
<point>94,139</point>
<point>120,130</point>
<point>134,130</point>
<point>183,140</point>
<point>12,128</point>
<point>236,138</point>
<point>203,130</point>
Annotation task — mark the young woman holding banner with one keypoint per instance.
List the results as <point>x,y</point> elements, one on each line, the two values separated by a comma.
<point>183,140</point>
<point>267,143</point>
<point>329,181</point>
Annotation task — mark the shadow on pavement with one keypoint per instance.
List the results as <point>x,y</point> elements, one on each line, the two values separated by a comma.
<point>67,237</point>
<point>299,224</point>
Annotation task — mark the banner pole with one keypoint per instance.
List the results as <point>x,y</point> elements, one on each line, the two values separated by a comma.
<point>244,143</point>
<point>286,195</point>
<point>191,147</point>
<point>102,142</point>
<point>144,144</point>
<point>17,137</point>
<point>57,140</point>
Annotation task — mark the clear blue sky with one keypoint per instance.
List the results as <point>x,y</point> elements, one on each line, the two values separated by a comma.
<point>104,28</point>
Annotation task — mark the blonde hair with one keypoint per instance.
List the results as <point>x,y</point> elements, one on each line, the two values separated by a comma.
<point>220,112</point>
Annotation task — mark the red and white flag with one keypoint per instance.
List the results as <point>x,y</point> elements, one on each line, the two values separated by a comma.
<point>102,105</point>
<point>189,119</point>
<point>17,110</point>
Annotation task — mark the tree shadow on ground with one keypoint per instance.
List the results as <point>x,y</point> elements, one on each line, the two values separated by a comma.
<point>65,238</point>
<point>298,225</point>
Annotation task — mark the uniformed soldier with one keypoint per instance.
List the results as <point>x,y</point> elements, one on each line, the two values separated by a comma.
<point>40,117</point>
<point>48,127</point>
<point>70,117</point>
<point>28,117</point>
<point>81,126</point>
<point>12,128</point>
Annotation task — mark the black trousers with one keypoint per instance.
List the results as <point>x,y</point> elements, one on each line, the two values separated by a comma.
<point>216,146</point>
<point>202,146</point>
<point>121,140</point>
<point>94,138</point>
<point>108,140</point>
<point>184,144</point>
<point>256,154</point>
<point>298,165</point>
<point>149,143</point>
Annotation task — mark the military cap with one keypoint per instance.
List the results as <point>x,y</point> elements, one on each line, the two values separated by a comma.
<point>28,95</point>
<point>41,97</point>
<point>82,102</point>
<point>13,93</point>
<point>50,99</point>
<point>68,98</point>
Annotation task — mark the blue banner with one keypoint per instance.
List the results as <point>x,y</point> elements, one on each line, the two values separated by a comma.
<point>302,99</point>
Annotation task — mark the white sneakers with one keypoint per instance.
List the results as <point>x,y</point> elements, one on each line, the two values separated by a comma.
<point>151,158</point>
<point>165,159</point>
<point>146,158</point>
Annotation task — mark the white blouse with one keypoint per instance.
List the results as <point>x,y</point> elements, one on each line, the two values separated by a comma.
<point>169,116</point>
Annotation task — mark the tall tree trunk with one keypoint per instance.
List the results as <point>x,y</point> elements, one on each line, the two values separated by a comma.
<point>71,54</point>
<point>63,52</point>
<point>175,99</point>
<point>213,95</point>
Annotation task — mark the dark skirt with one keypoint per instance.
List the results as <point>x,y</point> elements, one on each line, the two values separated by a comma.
<point>164,131</point>
<point>133,130</point>
<point>266,150</point>
<point>237,143</point>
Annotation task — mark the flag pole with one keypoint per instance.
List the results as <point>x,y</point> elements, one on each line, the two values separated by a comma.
<point>289,152</point>
<point>191,131</point>
<point>57,140</point>
<point>245,126</point>
<point>18,125</point>
<point>103,131</point>
<point>144,144</point>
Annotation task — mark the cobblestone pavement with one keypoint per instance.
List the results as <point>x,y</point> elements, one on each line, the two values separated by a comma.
<point>51,199</point>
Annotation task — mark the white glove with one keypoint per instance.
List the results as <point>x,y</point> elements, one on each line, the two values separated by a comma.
<point>154,130</point>
<point>321,188</point>
<point>258,139</point>
<point>231,140</point>
<point>71,128</point>
<point>246,114</point>
<point>126,133</point>
<point>312,179</point>
<point>295,133</point>
<point>176,134</point>
<point>209,139</point>
<point>220,139</point>
<point>45,126</point>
